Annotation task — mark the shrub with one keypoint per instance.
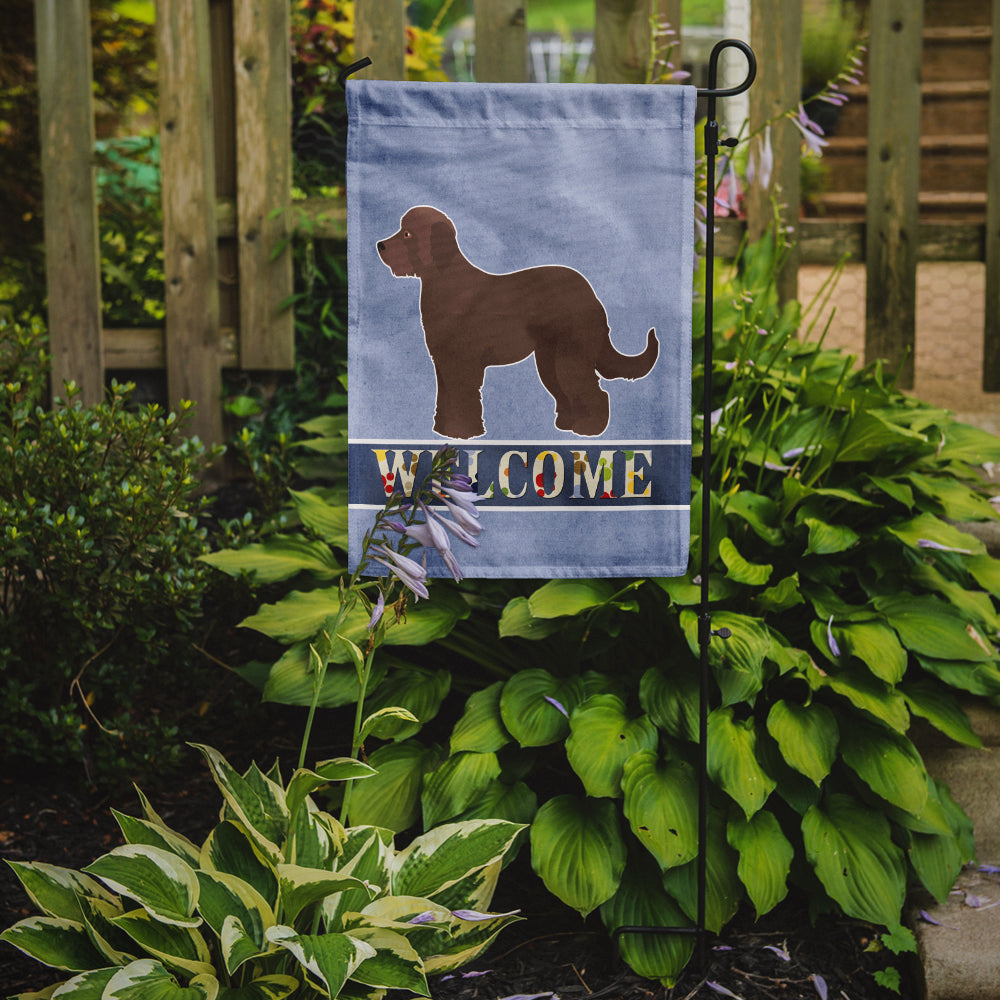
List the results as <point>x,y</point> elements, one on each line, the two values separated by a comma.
<point>280,899</point>
<point>99,539</point>
<point>854,603</point>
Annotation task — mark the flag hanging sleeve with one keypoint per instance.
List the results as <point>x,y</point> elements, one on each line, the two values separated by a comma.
<point>520,262</point>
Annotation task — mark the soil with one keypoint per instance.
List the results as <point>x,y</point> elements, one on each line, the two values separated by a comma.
<point>551,952</point>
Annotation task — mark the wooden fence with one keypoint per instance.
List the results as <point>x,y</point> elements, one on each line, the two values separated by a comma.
<point>226,161</point>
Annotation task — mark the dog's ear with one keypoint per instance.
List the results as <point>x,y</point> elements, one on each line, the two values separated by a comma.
<point>444,243</point>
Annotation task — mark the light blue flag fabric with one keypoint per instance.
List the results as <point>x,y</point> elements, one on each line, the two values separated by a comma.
<point>520,261</point>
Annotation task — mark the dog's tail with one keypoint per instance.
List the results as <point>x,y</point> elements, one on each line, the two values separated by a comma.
<point>612,364</point>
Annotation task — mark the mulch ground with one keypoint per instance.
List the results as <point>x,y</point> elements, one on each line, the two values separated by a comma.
<point>552,952</point>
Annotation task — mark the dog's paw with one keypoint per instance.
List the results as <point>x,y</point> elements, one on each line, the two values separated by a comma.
<point>462,432</point>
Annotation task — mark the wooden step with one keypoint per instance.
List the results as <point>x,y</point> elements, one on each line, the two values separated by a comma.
<point>947,162</point>
<point>945,104</point>
<point>957,206</point>
<point>956,53</point>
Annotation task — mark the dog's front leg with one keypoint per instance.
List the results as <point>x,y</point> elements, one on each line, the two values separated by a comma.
<point>459,409</point>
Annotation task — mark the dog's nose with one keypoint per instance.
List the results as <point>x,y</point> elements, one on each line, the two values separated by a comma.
<point>380,246</point>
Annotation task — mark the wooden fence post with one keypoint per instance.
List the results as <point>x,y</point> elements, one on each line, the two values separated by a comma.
<point>72,256</point>
<point>262,61</point>
<point>991,332</point>
<point>893,183</point>
<point>501,38</point>
<point>776,35</point>
<point>380,34</point>
<point>622,40</point>
<point>190,252</point>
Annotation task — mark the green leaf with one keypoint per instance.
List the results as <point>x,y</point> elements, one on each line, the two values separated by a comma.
<point>292,679</point>
<point>417,690</point>
<point>640,901</point>
<point>304,782</point>
<point>456,784</point>
<point>440,858</point>
<point>260,809</point>
<point>279,558</point>
<point>976,678</point>
<point>330,959</point>
<point>327,520</point>
<point>866,692</point>
<point>301,887</point>
<point>751,574</point>
<point>163,884</point>
<point>395,964</point>
<point>828,539</point>
<point>578,851</point>
<point>224,897</point>
<point>783,595</point>
<point>601,739</point>
<point>758,511</point>
<point>869,436</point>
<point>738,662</point>
<point>986,571</point>
<point>141,831</point>
<point>876,646</point>
<point>732,760</point>
<point>516,803</point>
<point>56,891</point>
<point>481,727</point>
<point>86,986</point>
<point>684,592</point>
<point>888,763</point>
<point>941,709</point>
<point>517,620</point>
<point>893,488</point>
<point>559,598</point>
<point>181,948</point>
<point>927,527</point>
<point>147,979</point>
<point>723,889</point>
<point>937,860</point>
<point>54,941</point>
<point>807,736</point>
<point>932,628</point>
<point>965,443</point>
<point>274,987</point>
<point>391,798</point>
<point>661,798</point>
<point>956,500</point>
<point>850,848</point>
<point>671,699</point>
<point>765,858</point>
<point>528,714</point>
<point>230,849</point>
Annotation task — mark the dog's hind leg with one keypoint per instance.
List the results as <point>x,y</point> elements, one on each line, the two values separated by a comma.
<point>582,406</point>
<point>459,409</point>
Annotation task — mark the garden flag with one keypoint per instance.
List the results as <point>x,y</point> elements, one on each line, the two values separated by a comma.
<point>520,273</point>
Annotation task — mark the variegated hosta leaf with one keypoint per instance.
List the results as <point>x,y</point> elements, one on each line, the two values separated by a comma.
<point>256,801</point>
<point>273,987</point>
<point>230,849</point>
<point>395,964</point>
<point>158,880</point>
<point>765,858</point>
<point>304,782</point>
<point>578,851</point>
<point>177,947</point>
<point>661,799</point>
<point>391,799</point>
<point>888,763</point>
<point>56,891</point>
<point>141,831</point>
<point>329,959</point>
<point>535,706</point>
<point>602,737</point>
<point>723,889</point>
<point>807,736</point>
<point>468,939</point>
<point>642,902</point>
<point>481,727</point>
<point>476,890</point>
<point>367,853</point>
<point>225,897</point>
<point>54,941</point>
<point>147,979</point>
<point>441,857</point>
<point>86,986</point>
<point>300,887</point>
<point>315,838</point>
<point>457,784</point>
<point>850,847</point>
<point>732,760</point>
<point>116,947</point>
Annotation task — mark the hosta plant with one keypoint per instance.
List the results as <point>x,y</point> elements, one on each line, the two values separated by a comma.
<point>279,900</point>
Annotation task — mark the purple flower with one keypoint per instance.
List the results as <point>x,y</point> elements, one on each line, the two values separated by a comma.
<point>834,648</point>
<point>476,915</point>
<point>820,983</point>
<point>410,573</point>
<point>719,988</point>
<point>463,498</point>
<point>558,705</point>
<point>427,917</point>
<point>927,543</point>
<point>458,530</point>
<point>811,132</point>
<point>761,163</point>
<point>377,611</point>
<point>780,952</point>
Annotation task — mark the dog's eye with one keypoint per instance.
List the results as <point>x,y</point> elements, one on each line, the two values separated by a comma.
<point>406,234</point>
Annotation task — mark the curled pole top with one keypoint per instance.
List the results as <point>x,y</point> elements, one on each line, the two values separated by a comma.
<point>713,90</point>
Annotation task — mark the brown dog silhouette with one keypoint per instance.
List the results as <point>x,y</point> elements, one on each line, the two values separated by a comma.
<point>473,319</point>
